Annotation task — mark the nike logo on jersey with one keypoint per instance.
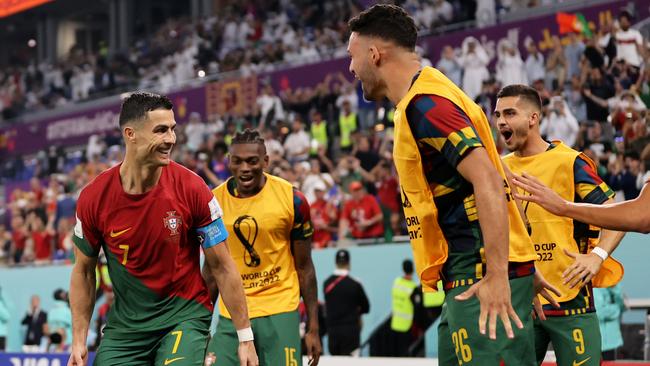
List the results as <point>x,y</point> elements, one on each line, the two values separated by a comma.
<point>118,233</point>
<point>574,361</point>
<point>168,361</point>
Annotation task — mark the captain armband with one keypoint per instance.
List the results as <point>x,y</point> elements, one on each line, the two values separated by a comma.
<point>212,234</point>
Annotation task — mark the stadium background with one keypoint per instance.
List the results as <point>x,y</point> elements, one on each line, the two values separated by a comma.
<point>66,64</point>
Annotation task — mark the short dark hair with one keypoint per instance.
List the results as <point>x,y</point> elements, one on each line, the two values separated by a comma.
<point>407,266</point>
<point>248,136</point>
<point>388,22</point>
<point>136,106</point>
<point>525,92</point>
<point>625,14</point>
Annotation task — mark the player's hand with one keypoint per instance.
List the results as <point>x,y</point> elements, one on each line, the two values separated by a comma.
<point>493,294</point>
<point>543,288</point>
<point>78,356</point>
<point>539,194</point>
<point>314,348</point>
<point>247,354</point>
<point>583,269</point>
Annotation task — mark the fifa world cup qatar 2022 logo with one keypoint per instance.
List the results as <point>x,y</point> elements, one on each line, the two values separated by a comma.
<point>246,228</point>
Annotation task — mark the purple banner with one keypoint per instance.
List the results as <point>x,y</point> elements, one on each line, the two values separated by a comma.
<point>75,128</point>
<point>38,359</point>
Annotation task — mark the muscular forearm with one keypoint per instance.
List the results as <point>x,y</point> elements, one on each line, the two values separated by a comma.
<point>625,216</point>
<point>493,218</point>
<point>82,302</point>
<point>210,282</point>
<point>308,290</point>
<point>610,239</point>
<point>232,291</point>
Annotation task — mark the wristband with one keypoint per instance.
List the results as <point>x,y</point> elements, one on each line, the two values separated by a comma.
<point>602,253</point>
<point>245,334</point>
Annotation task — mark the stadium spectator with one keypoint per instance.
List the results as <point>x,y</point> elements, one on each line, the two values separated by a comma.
<point>597,87</point>
<point>629,41</point>
<point>534,65</point>
<point>35,320</point>
<point>510,67</point>
<point>474,60</point>
<point>195,132</point>
<point>19,238</point>
<point>625,172</point>
<point>387,189</point>
<point>449,66</point>
<point>41,234</point>
<point>556,66</point>
<point>323,216</point>
<point>361,216</point>
<point>314,178</point>
<point>573,52</point>
<point>345,302</point>
<point>297,143</point>
<point>560,124</point>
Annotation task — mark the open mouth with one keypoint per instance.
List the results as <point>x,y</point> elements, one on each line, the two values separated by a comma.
<point>507,135</point>
<point>245,178</point>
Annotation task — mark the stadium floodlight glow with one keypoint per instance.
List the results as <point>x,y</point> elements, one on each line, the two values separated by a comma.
<point>201,73</point>
<point>31,43</point>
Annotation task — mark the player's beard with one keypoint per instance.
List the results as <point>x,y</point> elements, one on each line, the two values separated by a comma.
<point>371,86</point>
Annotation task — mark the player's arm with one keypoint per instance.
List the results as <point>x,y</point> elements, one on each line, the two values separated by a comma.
<point>222,268</point>
<point>210,282</point>
<point>631,215</point>
<point>493,291</point>
<point>301,236</point>
<point>586,266</point>
<point>228,279</point>
<point>437,122</point>
<point>82,302</point>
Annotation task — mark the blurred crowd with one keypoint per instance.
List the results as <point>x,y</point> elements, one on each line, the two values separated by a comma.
<point>249,37</point>
<point>336,147</point>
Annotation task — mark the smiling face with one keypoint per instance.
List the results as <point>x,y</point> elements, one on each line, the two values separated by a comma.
<point>153,138</point>
<point>247,164</point>
<point>515,119</point>
<point>364,57</point>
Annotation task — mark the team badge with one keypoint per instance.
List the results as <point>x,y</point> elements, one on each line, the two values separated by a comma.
<point>172,222</point>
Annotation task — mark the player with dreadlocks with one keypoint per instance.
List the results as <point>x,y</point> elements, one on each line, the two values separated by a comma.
<point>270,233</point>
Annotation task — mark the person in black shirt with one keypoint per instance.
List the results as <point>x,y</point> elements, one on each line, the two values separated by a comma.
<point>35,320</point>
<point>345,301</point>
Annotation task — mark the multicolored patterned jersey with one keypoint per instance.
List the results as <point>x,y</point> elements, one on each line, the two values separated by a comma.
<point>445,135</point>
<point>151,245</point>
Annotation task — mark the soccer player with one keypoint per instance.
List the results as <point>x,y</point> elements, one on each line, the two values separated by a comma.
<point>150,215</point>
<point>269,227</point>
<point>463,222</point>
<point>567,254</point>
<point>632,215</point>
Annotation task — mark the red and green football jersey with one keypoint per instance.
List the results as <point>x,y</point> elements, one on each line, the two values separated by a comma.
<point>151,245</point>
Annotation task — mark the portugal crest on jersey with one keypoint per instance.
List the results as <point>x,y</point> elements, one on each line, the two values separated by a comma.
<point>172,222</point>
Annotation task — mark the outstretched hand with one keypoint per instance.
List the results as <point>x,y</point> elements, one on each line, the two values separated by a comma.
<point>539,193</point>
<point>493,294</point>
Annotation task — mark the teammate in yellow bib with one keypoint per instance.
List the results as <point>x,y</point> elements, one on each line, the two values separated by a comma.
<point>270,231</point>
<point>463,223</point>
<point>564,247</point>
